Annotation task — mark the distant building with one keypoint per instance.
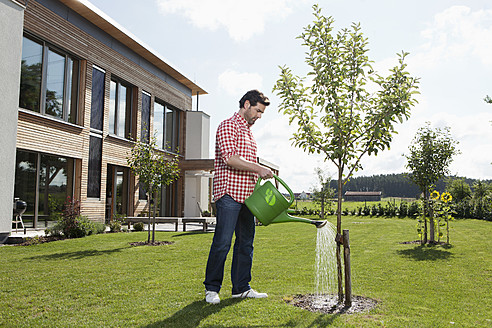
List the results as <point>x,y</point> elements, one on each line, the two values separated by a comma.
<point>362,196</point>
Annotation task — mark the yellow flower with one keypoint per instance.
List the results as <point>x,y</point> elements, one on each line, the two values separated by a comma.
<point>446,197</point>
<point>435,195</point>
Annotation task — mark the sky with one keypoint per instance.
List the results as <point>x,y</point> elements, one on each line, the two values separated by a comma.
<point>228,47</point>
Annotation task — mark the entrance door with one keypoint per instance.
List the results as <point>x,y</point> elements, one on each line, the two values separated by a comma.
<point>117,192</point>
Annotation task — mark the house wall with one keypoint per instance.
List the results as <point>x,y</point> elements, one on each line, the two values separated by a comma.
<point>11,20</point>
<point>197,147</point>
<point>55,23</point>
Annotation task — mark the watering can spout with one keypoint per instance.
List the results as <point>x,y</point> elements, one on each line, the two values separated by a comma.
<point>319,224</point>
<point>270,206</point>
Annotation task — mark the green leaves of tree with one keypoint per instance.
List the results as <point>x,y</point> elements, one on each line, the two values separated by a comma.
<point>336,114</point>
<point>431,153</point>
<point>152,167</point>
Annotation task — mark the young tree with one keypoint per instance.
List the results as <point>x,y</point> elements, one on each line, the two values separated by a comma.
<point>431,153</point>
<point>324,193</point>
<point>337,116</point>
<point>153,169</point>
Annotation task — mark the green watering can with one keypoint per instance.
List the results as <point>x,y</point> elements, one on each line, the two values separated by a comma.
<point>270,206</point>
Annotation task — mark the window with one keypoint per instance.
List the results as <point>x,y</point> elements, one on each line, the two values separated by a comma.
<point>97,102</point>
<point>94,176</point>
<point>44,182</point>
<point>145,126</point>
<point>166,123</point>
<point>49,80</point>
<point>120,109</point>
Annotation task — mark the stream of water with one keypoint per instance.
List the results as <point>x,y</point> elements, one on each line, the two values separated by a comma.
<point>326,263</point>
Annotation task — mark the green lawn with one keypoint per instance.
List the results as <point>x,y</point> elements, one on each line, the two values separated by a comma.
<point>102,281</point>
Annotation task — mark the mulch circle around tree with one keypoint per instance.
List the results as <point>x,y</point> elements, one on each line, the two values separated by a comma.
<point>39,240</point>
<point>155,243</point>
<point>328,304</point>
<point>442,243</point>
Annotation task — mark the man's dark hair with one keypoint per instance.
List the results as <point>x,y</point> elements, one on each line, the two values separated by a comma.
<point>254,97</point>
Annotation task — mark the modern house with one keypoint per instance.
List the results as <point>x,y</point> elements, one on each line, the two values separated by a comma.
<point>77,90</point>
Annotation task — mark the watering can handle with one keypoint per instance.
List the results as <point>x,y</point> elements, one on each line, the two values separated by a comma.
<point>283,184</point>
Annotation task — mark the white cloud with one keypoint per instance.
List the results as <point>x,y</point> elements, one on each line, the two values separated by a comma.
<point>241,19</point>
<point>473,132</point>
<point>235,83</point>
<point>454,34</point>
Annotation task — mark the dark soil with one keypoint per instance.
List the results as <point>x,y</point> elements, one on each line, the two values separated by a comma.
<point>327,304</point>
<point>155,243</point>
<point>39,240</point>
<point>428,243</point>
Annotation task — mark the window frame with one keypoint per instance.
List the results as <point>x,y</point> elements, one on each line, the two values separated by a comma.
<point>174,142</point>
<point>71,92</point>
<point>128,112</point>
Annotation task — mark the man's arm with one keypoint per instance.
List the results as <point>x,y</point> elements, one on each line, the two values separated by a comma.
<point>240,163</point>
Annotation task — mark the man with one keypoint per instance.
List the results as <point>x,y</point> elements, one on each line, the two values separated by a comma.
<point>236,173</point>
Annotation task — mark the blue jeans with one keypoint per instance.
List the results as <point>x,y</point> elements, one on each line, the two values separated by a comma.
<point>232,217</point>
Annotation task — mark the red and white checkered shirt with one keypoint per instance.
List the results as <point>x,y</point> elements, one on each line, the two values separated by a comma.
<point>234,137</point>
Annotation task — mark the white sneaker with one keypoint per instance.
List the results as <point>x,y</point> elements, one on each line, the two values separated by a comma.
<point>250,294</point>
<point>212,297</point>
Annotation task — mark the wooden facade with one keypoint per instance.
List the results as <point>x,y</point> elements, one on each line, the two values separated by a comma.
<point>51,22</point>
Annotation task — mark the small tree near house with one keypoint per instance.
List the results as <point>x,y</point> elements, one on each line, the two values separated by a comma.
<point>153,168</point>
<point>337,116</point>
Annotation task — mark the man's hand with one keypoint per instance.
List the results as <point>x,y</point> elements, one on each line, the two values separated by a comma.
<point>265,173</point>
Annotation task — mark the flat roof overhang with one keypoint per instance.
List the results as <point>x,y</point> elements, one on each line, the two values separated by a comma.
<point>108,25</point>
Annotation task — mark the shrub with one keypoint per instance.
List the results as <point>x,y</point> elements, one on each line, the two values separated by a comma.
<point>139,226</point>
<point>413,210</point>
<point>73,225</point>
<point>115,225</point>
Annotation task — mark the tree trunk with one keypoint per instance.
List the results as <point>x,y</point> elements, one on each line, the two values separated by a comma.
<point>348,271</point>
<point>426,207</point>
<point>153,218</point>
<point>432,236</point>
<point>339,231</point>
<point>447,231</point>
<point>149,201</point>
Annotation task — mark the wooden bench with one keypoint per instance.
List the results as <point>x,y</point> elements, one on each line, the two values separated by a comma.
<point>204,220</point>
<point>158,219</point>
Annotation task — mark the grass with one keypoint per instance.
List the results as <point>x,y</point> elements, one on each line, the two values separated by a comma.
<point>102,281</point>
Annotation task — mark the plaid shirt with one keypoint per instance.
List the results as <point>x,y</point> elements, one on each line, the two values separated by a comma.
<point>234,137</point>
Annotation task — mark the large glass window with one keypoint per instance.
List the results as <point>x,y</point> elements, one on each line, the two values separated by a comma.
<point>55,185</point>
<point>49,80</point>
<point>120,109</point>
<point>97,102</point>
<point>145,119</point>
<point>94,175</point>
<point>26,183</point>
<point>159,124</point>
<point>117,192</point>
<point>44,182</point>
<point>166,123</point>
<point>167,204</point>
<point>31,67</point>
